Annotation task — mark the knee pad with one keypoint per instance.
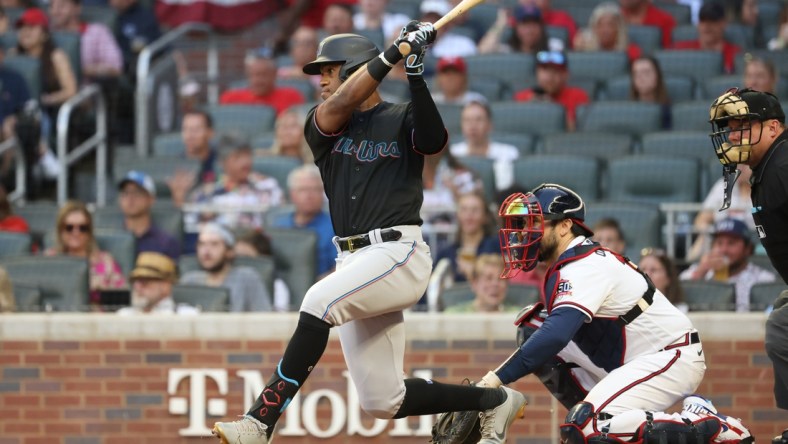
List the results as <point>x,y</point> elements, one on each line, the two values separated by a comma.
<point>674,432</point>
<point>576,420</point>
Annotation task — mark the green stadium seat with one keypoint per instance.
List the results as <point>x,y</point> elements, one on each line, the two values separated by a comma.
<point>296,260</point>
<point>597,65</point>
<point>121,244</point>
<point>691,116</point>
<point>603,146</point>
<point>698,65</point>
<point>514,70</point>
<point>539,118</point>
<point>709,295</point>
<point>580,173</point>
<point>29,68</point>
<point>27,297</point>
<point>647,38</point>
<point>278,167</point>
<point>264,266</point>
<point>627,117</point>
<point>209,299</point>
<point>248,119</point>
<point>653,179</point>
<point>762,295</point>
<point>692,144</point>
<point>62,280</point>
<point>639,222</point>
<point>14,244</point>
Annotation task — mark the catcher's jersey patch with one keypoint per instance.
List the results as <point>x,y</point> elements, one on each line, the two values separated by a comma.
<point>564,288</point>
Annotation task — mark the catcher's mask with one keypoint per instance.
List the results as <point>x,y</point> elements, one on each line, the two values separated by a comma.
<point>524,217</point>
<point>745,106</point>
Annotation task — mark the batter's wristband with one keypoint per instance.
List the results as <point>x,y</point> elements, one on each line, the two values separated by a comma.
<point>382,64</point>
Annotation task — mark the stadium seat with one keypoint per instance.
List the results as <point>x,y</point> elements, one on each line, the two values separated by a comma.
<point>483,168</point>
<point>29,68</point>
<point>276,212</point>
<point>762,295</point>
<point>521,295</point>
<point>514,70</point>
<point>483,15</point>
<point>524,143</point>
<point>633,118</point>
<point>278,167</point>
<point>295,258</point>
<point>538,118</point>
<point>778,57</point>
<point>455,295</point>
<point>680,12</point>
<point>603,146</point>
<point>304,86</point>
<point>264,266</point>
<point>698,65</point>
<point>168,145</point>
<point>580,12</point>
<point>14,244</point>
<point>653,179</point>
<point>164,215</point>
<point>62,280</point>
<point>740,35</point>
<point>40,217</point>
<point>202,296</point>
<point>580,173</point>
<point>491,88</point>
<point>160,169</point>
<point>597,65</point>
<point>99,14</point>
<point>717,86</point>
<point>375,35</point>
<point>451,119</point>
<point>395,91</point>
<point>691,116</point>
<point>69,42</point>
<point>647,38</point>
<point>709,295</point>
<point>683,33</point>
<point>249,119</point>
<point>640,222</point>
<point>560,33</point>
<point>679,88</point>
<point>27,297</point>
<point>691,144</point>
<point>121,244</point>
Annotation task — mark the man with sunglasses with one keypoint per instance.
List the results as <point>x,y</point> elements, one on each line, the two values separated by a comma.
<point>606,317</point>
<point>552,75</point>
<point>749,128</point>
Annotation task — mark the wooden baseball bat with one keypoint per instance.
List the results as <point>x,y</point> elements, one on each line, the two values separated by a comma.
<point>461,8</point>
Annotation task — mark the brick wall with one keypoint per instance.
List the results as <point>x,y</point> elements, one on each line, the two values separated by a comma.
<point>92,379</point>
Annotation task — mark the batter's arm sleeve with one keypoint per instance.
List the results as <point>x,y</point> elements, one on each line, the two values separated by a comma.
<point>555,333</point>
<point>429,134</point>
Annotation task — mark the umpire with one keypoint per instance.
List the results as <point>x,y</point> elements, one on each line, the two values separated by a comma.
<point>749,127</point>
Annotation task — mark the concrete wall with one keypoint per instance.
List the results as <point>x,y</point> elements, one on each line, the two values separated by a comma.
<point>98,378</point>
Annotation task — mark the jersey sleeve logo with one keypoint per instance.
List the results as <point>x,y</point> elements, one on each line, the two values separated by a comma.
<point>564,288</point>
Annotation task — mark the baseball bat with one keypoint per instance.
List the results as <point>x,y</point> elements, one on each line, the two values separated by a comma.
<point>461,8</point>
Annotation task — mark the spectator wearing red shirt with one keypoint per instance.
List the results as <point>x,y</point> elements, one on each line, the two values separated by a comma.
<point>642,12</point>
<point>554,17</point>
<point>711,35</point>
<point>262,89</point>
<point>8,220</point>
<point>552,73</point>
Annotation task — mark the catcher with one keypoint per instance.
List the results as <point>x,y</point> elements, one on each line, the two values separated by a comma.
<point>608,345</point>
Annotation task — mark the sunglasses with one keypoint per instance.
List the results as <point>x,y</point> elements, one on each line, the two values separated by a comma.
<point>83,228</point>
<point>651,251</point>
<point>550,57</point>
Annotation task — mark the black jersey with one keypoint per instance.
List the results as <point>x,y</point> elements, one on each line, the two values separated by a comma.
<point>370,169</point>
<point>770,203</point>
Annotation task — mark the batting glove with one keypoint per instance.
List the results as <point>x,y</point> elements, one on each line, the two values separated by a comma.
<point>419,41</point>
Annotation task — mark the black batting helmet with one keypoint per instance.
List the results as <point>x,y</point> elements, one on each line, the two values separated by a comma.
<point>350,50</point>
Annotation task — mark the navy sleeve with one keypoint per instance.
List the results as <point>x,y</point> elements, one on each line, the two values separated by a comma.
<point>429,133</point>
<point>557,330</point>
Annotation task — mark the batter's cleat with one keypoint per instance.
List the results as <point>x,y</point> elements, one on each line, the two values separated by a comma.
<point>246,430</point>
<point>731,429</point>
<point>495,422</point>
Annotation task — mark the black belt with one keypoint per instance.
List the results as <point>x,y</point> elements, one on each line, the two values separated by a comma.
<point>353,243</point>
<point>694,338</point>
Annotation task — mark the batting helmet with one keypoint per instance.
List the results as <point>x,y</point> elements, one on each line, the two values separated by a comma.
<point>349,50</point>
<point>745,105</point>
<point>524,215</point>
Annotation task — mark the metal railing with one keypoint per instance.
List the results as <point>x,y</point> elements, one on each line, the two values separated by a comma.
<point>144,91</point>
<point>19,191</point>
<point>97,141</point>
<point>673,227</point>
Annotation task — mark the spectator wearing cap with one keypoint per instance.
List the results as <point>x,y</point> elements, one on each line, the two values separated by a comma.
<point>729,261</point>
<point>152,279</point>
<point>447,43</point>
<point>262,90</point>
<point>372,16</point>
<point>711,35</point>
<point>606,31</point>
<point>452,82</point>
<point>642,12</point>
<point>554,17</point>
<point>552,75</point>
<point>58,82</point>
<point>137,192</point>
<point>237,187</point>
<point>476,122</point>
<point>215,255</point>
<point>527,34</point>
<point>100,55</point>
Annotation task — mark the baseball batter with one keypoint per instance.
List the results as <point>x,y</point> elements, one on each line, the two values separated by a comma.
<point>644,353</point>
<point>371,155</point>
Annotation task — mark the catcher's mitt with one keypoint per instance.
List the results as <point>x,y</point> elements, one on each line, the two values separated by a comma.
<point>457,427</point>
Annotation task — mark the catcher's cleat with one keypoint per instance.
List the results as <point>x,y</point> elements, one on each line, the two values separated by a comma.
<point>495,422</point>
<point>732,430</point>
<point>246,430</point>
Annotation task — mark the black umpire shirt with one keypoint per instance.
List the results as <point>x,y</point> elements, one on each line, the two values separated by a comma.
<point>770,203</point>
<point>370,169</point>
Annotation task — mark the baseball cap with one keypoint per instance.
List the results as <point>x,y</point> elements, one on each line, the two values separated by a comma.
<point>152,265</point>
<point>219,230</point>
<point>525,13</point>
<point>732,227</point>
<point>551,58</point>
<point>711,11</point>
<point>141,179</point>
<point>763,104</point>
<point>33,17</point>
<point>452,63</point>
<point>440,7</point>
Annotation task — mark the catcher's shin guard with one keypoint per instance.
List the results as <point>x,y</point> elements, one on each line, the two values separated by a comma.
<point>673,432</point>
